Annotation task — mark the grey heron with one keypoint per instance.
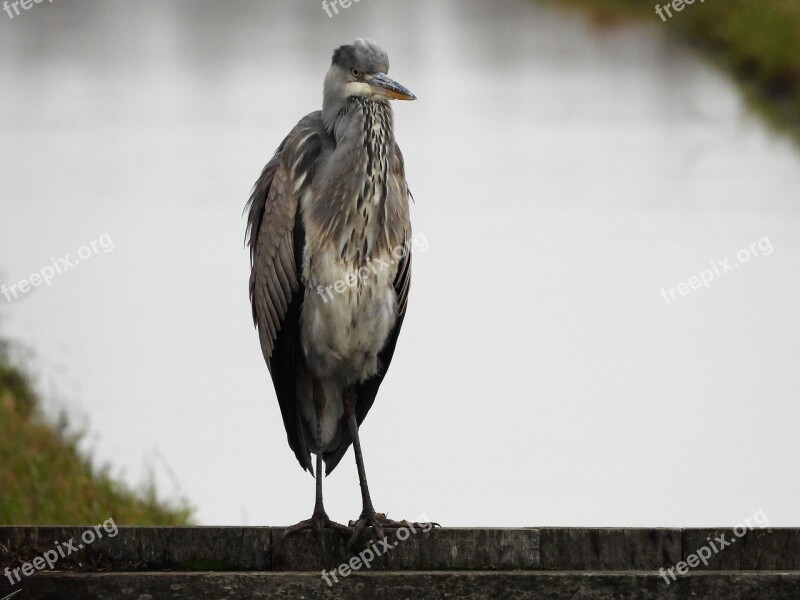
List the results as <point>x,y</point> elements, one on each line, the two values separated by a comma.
<point>333,201</point>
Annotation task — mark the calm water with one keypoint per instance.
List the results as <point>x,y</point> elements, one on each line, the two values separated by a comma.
<point>563,174</point>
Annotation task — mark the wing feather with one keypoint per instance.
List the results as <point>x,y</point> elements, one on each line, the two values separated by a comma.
<point>276,239</point>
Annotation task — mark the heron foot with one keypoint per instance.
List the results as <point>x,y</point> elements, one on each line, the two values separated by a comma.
<point>379,521</point>
<point>319,522</point>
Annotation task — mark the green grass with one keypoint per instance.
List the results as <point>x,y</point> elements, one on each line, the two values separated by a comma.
<point>758,39</point>
<point>45,479</point>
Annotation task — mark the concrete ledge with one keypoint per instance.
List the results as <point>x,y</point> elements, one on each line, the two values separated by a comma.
<point>249,562</point>
<point>257,549</point>
<point>581,549</point>
<point>433,585</point>
<point>437,549</point>
<point>550,549</point>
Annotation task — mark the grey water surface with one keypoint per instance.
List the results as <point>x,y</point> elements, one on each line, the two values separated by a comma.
<point>559,365</point>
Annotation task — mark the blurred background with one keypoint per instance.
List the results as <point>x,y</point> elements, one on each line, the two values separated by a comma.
<point>571,163</point>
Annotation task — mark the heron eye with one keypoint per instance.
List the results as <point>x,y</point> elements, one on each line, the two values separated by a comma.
<point>355,72</point>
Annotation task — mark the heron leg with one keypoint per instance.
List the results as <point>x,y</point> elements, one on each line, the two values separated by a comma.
<point>319,518</point>
<point>369,517</point>
<point>350,399</point>
<point>318,395</point>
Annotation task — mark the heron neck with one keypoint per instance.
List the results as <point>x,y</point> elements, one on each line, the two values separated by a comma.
<point>365,145</point>
<point>361,118</point>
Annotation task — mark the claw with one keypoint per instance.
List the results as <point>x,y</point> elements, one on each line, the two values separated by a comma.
<point>378,521</point>
<point>362,523</point>
<point>317,522</point>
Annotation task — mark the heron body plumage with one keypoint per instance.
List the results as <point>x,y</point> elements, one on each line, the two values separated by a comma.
<point>357,225</point>
<point>330,206</point>
<point>332,201</point>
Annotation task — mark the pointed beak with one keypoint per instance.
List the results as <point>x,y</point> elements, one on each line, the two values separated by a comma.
<point>385,86</point>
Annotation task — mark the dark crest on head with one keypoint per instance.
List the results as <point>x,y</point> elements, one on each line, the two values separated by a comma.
<point>364,55</point>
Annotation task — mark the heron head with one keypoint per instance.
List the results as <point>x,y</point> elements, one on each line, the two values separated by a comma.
<point>359,69</point>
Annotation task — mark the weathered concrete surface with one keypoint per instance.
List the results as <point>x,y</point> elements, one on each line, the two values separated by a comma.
<point>436,549</point>
<point>757,550</point>
<point>146,548</point>
<point>594,549</point>
<point>254,562</point>
<point>248,548</point>
<point>434,585</point>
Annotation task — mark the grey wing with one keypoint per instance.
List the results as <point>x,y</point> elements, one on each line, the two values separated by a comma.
<point>277,239</point>
<point>367,390</point>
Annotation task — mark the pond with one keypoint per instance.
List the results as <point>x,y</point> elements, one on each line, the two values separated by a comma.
<point>567,359</point>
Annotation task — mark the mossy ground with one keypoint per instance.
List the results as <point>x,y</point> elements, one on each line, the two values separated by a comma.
<point>45,478</point>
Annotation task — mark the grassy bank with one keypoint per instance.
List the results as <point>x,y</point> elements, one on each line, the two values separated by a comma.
<point>758,39</point>
<point>46,480</point>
